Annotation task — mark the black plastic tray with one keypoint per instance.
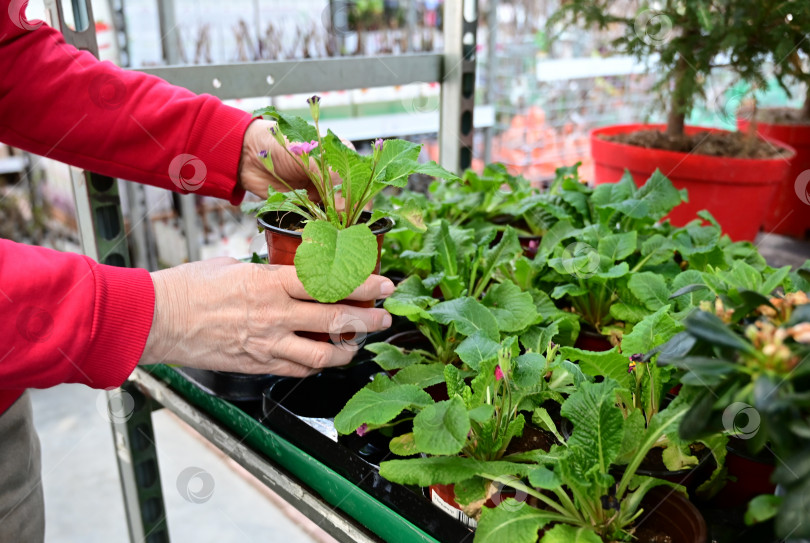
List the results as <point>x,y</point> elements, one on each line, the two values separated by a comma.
<point>322,396</point>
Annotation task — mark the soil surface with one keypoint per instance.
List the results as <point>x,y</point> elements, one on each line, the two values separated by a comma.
<point>533,438</point>
<point>779,115</point>
<point>724,144</point>
<point>646,535</point>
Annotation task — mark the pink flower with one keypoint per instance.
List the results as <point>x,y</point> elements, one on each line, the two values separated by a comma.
<point>361,431</point>
<point>301,148</point>
<point>498,373</point>
<point>378,144</point>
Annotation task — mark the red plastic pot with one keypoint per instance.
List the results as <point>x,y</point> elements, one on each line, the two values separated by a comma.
<point>789,212</point>
<point>669,512</point>
<point>589,340</point>
<point>752,474</point>
<point>282,231</point>
<point>736,191</point>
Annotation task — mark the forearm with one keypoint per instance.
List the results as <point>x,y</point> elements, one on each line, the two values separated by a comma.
<point>61,103</point>
<point>67,319</point>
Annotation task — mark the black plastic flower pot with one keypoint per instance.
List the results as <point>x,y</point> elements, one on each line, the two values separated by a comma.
<point>300,411</point>
<point>750,475</point>
<point>237,388</point>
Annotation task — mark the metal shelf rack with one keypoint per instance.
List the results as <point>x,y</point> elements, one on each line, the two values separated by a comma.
<point>334,503</point>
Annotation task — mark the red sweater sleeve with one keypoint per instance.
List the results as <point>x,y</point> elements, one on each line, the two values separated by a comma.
<point>67,319</point>
<point>61,103</point>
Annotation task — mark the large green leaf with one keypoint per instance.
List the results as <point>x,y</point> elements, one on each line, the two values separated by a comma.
<point>503,252</point>
<point>331,263</point>
<point>421,375</point>
<point>598,424</point>
<point>512,522</point>
<point>565,533</point>
<point>442,428</point>
<point>513,308</point>
<point>468,315</point>
<point>390,357</point>
<point>353,168</point>
<point>650,288</point>
<point>617,246</point>
<point>410,299</point>
<point>476,349</point>
<point>371,407</point>
<point>651,332</point>
<point>611,364</point>
<point>446,470</point>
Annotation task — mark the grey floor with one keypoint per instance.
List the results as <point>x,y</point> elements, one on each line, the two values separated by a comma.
<point>83,498</point>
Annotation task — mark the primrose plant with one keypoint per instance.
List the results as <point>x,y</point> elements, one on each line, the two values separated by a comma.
<point>338,250</point>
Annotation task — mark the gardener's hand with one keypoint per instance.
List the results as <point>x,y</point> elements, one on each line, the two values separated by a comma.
<point>224,315</point>
<point>255,178</point>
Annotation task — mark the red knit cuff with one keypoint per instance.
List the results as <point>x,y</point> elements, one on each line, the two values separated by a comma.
<point>122,319</point>
<point>217,138</point>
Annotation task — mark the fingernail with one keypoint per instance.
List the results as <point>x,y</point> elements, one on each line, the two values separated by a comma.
<point>387,288</point>
<point>386,322</point>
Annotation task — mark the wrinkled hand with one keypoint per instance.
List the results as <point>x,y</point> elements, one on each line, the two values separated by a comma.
<point>255,178</point>
<point>224,315</point>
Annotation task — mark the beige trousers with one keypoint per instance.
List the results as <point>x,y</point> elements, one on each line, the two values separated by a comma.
<point>22,505</point>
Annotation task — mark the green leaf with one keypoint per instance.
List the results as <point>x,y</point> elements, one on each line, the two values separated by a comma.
<point>611,364</point>
<point>598,424</point>
<point>528,370</point>
<point>542,419</point>
<point>544,478</point>
<point>651,332</point>
<point>560,231</point>
<point>332,263</point>
<point>421,375</point>
<point>512,522</point>
<point>761,508</point>
<point>442,428</point>
<point>353,168</point>
<point>468,315</point>
<point>293,127</point>
<point>482,413</point>
<point>446,470</point>
<point>565,533</point>
<point>503,252</point>
<point>650,288</point>
<point>395,162</point>
<point>410,299</point>
<point>403,445</point>
<point>371,407</point>
<point>390,357</point>
<point>617,246</point>
<point>513,309</point>
<point>476,349</point>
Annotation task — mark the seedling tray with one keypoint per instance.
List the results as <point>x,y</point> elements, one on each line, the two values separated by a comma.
<point>300,410</point>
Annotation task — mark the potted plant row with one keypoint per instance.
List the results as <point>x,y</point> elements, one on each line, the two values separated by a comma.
<point>684,42</point>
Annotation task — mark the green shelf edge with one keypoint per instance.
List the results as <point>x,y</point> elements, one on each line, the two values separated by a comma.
<point>333,488</point>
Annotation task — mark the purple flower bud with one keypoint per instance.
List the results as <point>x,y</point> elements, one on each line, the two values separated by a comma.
<point>638,357</point>
<point>498,373</point>
<point>314,99</point>
<point>378,144</point>
<point>362,429</point>
<point>263,153</point>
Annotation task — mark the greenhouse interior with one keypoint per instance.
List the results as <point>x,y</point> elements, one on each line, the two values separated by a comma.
<point>483,271</point>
